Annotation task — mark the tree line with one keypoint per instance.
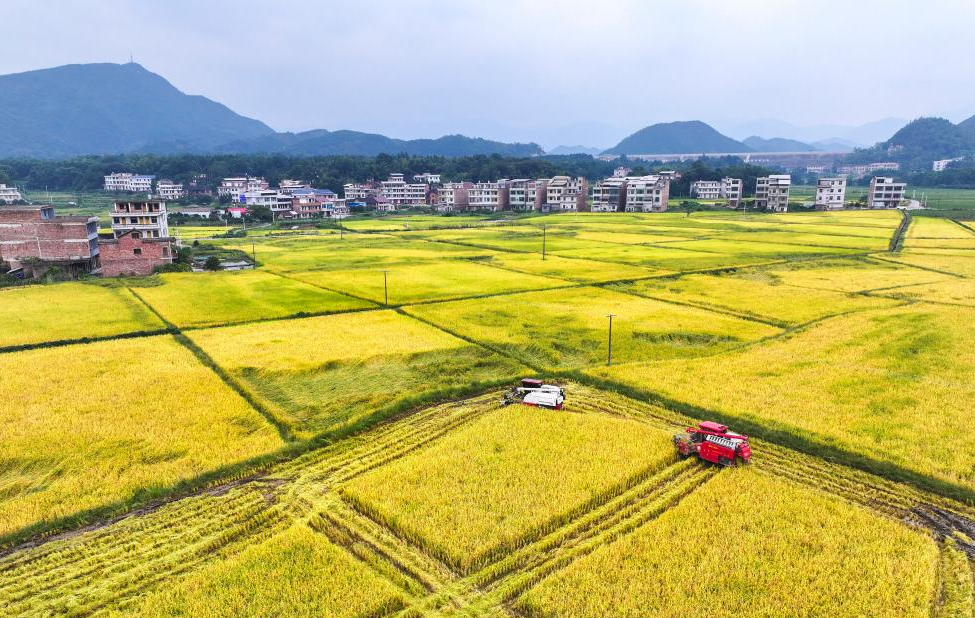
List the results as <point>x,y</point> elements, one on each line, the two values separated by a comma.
<point>87,173</point>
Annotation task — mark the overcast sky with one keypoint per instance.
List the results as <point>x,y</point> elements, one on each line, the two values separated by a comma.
<point>577,71</point>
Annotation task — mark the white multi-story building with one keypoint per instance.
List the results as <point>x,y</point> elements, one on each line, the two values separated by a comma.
<point>565,193</point>
<point>647,193</point>
<point>238,185</point>
<point>357,191</point>
<point>453,196</point>
<point>279,203</point>
<point>725,189</point>
<point>862,169</point>
<point>885,193</point>
<point>526,194</point>
<point>10,194</point>
<point>432,179</point>
<point>831,193</point>
<point>135,183</point>
<point>147,218</point>
<point>772,192</point>
<point>609,195</point>
<point>288,185</point>
<point>942,164</point>
<point>168,190</point>
<point>488,195</point>
<point>401,193</point>
<point>621,172</point>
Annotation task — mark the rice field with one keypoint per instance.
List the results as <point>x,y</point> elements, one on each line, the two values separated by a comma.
<point>570,328</point>
<point>191,300</point>
<point>314,374</point>
<point>277,443</point>
<point>83,427</point>
<point>754,293</point>
<point>825,557</point>
<point>507,479</point>
<point>890,384</point>
<point>70,311</point>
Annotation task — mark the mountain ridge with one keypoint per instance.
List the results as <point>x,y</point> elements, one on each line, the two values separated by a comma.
<point>683,136</point>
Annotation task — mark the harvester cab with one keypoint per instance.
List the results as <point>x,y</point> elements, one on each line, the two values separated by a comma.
<point>535,393</point>
<point>713,442</point>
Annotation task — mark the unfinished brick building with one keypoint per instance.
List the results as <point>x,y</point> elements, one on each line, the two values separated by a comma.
<point>33,239</point>
<point>132,254</point>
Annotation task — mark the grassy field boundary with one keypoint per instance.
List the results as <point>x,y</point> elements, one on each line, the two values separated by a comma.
<point>897,240</point>
<point>83,340</point>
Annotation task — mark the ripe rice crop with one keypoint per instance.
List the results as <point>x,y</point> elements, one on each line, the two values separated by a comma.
<point>416,222</point>
<point>631,237</point>
<point>753,293</point>
<point>748,544</point>
<point>954,263</point>
<point>39,313</point>
<point>206,299</point>
<point>353,251</point>
<point>794,237</point>
<point>568,328</point>
<point>758,248</point>
<point>936,228</point>
<point>507,478</point>
<point>580,270</point>
<point>409,283</point>
<point>663,256</point>
<point>951,291</point>
<point>191,232</point>
<point>88,425</point>
<point>295,574</point>
<point>325,373</point>
<point>892,385</point>
<point>850,275</point>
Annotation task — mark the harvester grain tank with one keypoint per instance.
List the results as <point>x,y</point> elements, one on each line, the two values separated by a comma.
<point>713,442</point>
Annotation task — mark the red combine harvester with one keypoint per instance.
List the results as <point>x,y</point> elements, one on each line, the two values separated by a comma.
<point>713,442</point>
<point>535,393</point>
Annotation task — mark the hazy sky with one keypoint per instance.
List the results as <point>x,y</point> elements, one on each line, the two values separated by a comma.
<point>578,71</point>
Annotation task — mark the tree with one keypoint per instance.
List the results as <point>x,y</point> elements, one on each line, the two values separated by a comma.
<point>212,263</point>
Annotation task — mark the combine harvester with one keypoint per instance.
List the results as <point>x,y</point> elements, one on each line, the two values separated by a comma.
<point>535,393</point>
<point>713,442</point>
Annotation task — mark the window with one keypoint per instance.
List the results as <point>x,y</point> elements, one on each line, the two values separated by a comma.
<point>137,251</point>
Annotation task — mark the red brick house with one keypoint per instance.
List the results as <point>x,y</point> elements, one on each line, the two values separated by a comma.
<point>33,239</point>
<point>131,254</point>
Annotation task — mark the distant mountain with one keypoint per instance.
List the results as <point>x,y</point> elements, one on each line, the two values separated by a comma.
<point>109,108</point>
<point>835,144</point>
<point>968,126</point>
<point>920,142</point>
<point>323,143</point>
<point>121,108</point>
<point>776,144</point>
<point>689,137</point>
<point>864,135</point>
<point>568,150</point>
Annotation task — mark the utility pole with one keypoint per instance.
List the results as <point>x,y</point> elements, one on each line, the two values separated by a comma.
<point>341,230</point>
<point>609,355</point>
<point>254,253</point>
<point>543,241</point>
<point>385,290</point>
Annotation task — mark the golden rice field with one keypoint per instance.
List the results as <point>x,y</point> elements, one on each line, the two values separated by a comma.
<point>209,299</point>
<point>292,448</point>
<point>322,374</point>
<point>569,328</point>
<point>508,478</point>
<point>894,385</point>
<point>70,311</point>
<point>736,539</point>
<point>90,425</point>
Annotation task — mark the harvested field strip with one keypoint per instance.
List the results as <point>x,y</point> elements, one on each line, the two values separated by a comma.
<point>955,598</point>
<point>99,576</point>
<point>361,535</point>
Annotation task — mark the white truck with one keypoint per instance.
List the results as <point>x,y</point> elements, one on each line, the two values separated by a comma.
<point>535,393</point>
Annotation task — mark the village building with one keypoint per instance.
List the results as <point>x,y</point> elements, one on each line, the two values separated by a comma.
<point>885,192</point>
<point>647,194</point>
<point>168,190</point>
<point>488,196</point>
<point>830,193</point>
<point>129,253</point>
<point>33,239</point>
<point>452,196</point>
<point>564,193</point>
<point>145,216</point>
<point>133,183</point>
<point>235,186</point>
<point>772,192</point>
<point>9,195</point>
